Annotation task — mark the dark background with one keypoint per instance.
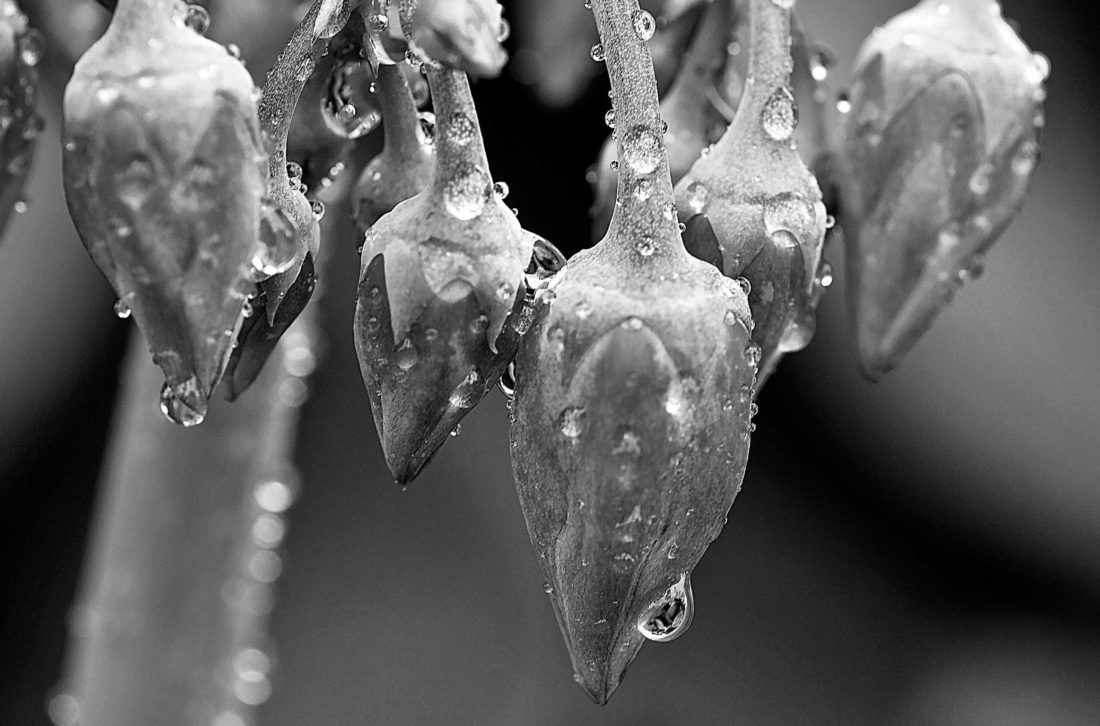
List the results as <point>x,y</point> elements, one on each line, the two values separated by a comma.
<point>925,551</point>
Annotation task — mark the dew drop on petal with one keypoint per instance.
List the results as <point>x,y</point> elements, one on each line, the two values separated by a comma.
<point>501,190</point>
<point>277,248</point>
<point>669,617</point>
<point>122,308</point>
<point>645,245</point>
<point>196,18</point>
<point>609,118</point>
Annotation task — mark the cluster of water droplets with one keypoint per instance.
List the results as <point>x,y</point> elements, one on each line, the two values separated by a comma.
<point>182,402</point>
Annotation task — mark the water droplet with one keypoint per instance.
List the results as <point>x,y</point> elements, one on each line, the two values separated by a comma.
<point>614,165</point>
<point>548,588</point>
<point>277,248</point>
<point>31,47</point>
<point>294,173</point>
<point>504,31</point>
<point>501,190</point>
<point>820,62</point>
<point>645,245</point>
<point>460,129</point>
<point>779,116</point>
<point>379,23</point>
<point>507,382</point>
<point>247,310</point>
<point>233,50</point>
<point>122,308</point>
<point>20,207</point>
<point>318,209</point>
<point>465,193</point>
<point>697,195</point>
<point>572,421</point>
<point>182,402</point>
<point>1024,161</point>
<point>981,178</point>
<point>753,353</point>
<point>669,617</point>
<point>406,355</point>
<point>597,53</point>
<point>456,430</point>
<point>644,25</point>
<point>642,149</point>
<point>609,118</point>
<point>843,102</point>
<point>196,18</point>
<point>468,392</point>
<point>825,274</point>
<point>1042,65</point>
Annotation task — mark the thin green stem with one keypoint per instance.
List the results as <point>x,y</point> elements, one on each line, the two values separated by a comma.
<point>643,199</point>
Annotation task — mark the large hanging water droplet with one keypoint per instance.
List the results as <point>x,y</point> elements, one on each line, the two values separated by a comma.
<point>779,116</point>
<point>277,248</point>
<point>642,149</point>
<point>644,25</point>
<point>182,403</point>
<point>467,191</point>
<point>669,617</point>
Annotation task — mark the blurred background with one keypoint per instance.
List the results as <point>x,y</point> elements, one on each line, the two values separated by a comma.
<point>922,552</point>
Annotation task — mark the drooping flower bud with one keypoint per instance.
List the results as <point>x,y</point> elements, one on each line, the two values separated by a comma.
<point>164,174</point>
<point>939,147</point>
<point>441,290</point>
<point>20,52</point>
<point>633,402</point>
<point>462,34</point>
<point>404,168</point>
<point>694,123</point>
<point>752,208</point>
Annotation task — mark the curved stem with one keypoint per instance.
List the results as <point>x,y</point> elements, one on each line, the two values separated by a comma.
<point>400,122</point>
<point>143,15</point>
<point>458,134</point>
<point>291,71</point>
<point>769,71</point>
<point>639,134</point>
<point>706,54</point>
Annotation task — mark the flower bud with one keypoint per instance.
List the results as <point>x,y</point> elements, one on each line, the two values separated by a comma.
<point>164,174</point>
<point>629,443</point>
<point>441,293</point>
<point>753,209</point>
<point>938,151</point>
<point>20,52</point>
<point>462,34</point>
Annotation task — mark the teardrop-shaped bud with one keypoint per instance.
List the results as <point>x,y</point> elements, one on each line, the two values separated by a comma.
<point>632,403</point>
<point>939,147</point>
<point>752,207</point>
<point>20,126</point>
<point>164,174</point>
<point>441,291</point>
<point>404,168</point>
<point>462,34</point>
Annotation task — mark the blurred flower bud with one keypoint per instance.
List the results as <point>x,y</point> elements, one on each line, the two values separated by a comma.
<point>939,148</point>
<point>20,53</point>
<point>164,174</point>
<point>462,34</point>
<point>441,292</point>
<point>753,209</point>
<point>404,168</point>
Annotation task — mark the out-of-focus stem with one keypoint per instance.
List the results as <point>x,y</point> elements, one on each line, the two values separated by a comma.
<point>169,627</point>
<point>401,124</point>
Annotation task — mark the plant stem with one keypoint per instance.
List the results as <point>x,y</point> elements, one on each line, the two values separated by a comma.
<point>289,75</point>
<point>643,199</point>
<point>400,122</point>
<point>769,72</point>
<point>458,140</point>
<point>146,17</point>
<point>170,625</point>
